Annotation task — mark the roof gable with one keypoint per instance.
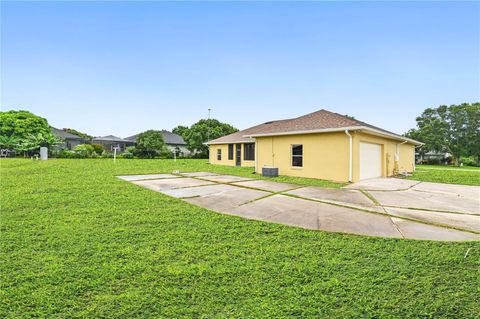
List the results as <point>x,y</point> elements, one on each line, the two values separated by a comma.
<point>168,138</point>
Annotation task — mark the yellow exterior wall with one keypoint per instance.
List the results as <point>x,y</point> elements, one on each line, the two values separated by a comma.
<point>389,167</point>
<point>325,156</point>
<point>225,160</point>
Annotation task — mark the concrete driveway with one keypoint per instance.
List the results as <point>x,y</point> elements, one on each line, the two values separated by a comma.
<point>378,207</point>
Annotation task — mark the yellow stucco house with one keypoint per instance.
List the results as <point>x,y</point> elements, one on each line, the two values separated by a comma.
<point>321,144</point>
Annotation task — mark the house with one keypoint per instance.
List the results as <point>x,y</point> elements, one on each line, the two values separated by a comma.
<point>109,142</point>
<point>172,141</point>
<point>69,140</point>
<point>321,144</point>
<point>433,157</point>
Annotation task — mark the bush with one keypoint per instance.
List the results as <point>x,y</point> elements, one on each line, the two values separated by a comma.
<point>468,161</point>
<point>84,150</point>
<point>107,154</point>
<point>65,154</point>
<point>433,161</point>
<point>98,148</point>
<point>127,155</point>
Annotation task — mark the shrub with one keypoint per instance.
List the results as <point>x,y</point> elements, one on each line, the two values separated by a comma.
<point>107,154</point>
<point>98,148</point>
<point>65,154</point>
<point>468,161</point>
<point>127,155</point>
<point>84,150</point>
<point>433,161</point>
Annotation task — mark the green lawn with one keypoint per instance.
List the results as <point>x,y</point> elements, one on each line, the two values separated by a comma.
<point>76,242</point>
<point>447,174</point>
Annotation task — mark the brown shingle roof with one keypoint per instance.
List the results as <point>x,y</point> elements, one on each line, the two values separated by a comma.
<point>316,121</point>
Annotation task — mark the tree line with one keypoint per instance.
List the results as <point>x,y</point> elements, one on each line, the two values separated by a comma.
<point>25,132</point>
<point>453,129</point>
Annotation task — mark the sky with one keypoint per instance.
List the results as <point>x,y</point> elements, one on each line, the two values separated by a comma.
<point>124,67</point>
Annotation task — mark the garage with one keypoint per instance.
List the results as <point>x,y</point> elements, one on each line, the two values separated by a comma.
<point>370,160</point>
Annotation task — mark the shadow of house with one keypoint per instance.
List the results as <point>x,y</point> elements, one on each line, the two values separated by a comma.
<point>69,140</point>
<point>172,142</point>
<point>109,142</point>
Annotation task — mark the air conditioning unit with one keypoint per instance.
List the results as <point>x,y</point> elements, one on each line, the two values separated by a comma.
<point>270,171</point>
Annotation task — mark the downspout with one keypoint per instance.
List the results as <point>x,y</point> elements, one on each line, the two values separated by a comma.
<point>349,156</point>
<point>256,156</point>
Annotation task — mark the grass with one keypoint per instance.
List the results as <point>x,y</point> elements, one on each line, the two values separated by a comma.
<point>76,242</point>
<point>447,174</point>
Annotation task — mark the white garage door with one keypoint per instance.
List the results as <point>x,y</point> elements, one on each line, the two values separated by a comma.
<point>370,160</point>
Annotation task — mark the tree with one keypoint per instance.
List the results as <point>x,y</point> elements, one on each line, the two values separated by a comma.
<point>201,132</point>
<point>78,133</point>
<point>181,130</point>
<point>150,144</point>
<point>454,129</point>
<point>24,132</point>
<point>20,124</point>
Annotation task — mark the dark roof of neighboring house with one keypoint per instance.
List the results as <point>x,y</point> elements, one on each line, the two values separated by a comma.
<point>318,121</point>
<point>168,138</point>
<point>65,135</point>
<point>109,138</point>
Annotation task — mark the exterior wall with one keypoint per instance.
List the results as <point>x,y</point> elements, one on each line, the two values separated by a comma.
<point>325,156</point>
<point>389,166</point>
<point>225,160</point>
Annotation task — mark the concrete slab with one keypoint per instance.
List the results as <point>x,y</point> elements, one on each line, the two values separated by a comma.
<point>144,177</point>
<point>164,184</point>
<point>226,178</point>
<point>465,191</point>
<point>198,174</point>
<point>336,195</point>
<point>268,185</point>
<point>425,200</point>
<point>227,199</point>
<point>388,184</point>
<point>313,215</point>
<point>463,221</point>
<point>198,191</point>
<point>415,230</point>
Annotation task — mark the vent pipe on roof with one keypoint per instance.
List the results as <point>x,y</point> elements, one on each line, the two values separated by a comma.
<point>349,156</point>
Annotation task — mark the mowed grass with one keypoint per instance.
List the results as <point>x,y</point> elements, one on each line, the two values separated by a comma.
<point>76,242</point>
<point>447,174</point>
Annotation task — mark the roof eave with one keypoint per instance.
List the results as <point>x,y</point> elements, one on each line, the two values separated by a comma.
<point>340,129</point>
<point>251,140</point>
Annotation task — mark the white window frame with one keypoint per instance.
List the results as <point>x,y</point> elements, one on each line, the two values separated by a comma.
<point>291,156</point>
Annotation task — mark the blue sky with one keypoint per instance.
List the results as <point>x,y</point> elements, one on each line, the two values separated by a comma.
<point>123,67</point>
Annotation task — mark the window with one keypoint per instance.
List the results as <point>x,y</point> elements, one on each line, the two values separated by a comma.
<point>297,155</point>
<point>219,154</point>
<point>249,152</point>
<point>230,152</point>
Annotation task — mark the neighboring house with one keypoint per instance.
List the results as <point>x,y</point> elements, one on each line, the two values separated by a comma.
<point>172,141</point>
<point>322,145</point>
<point>110,141</point>
<point>441,157</point>
<point>69,140</point>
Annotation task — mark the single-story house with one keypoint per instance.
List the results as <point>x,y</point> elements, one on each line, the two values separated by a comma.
<point>440,157</point>
<point>172,141</point>
<point>69,140</point>
<point>110,141</point>
<point>321,144</point>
